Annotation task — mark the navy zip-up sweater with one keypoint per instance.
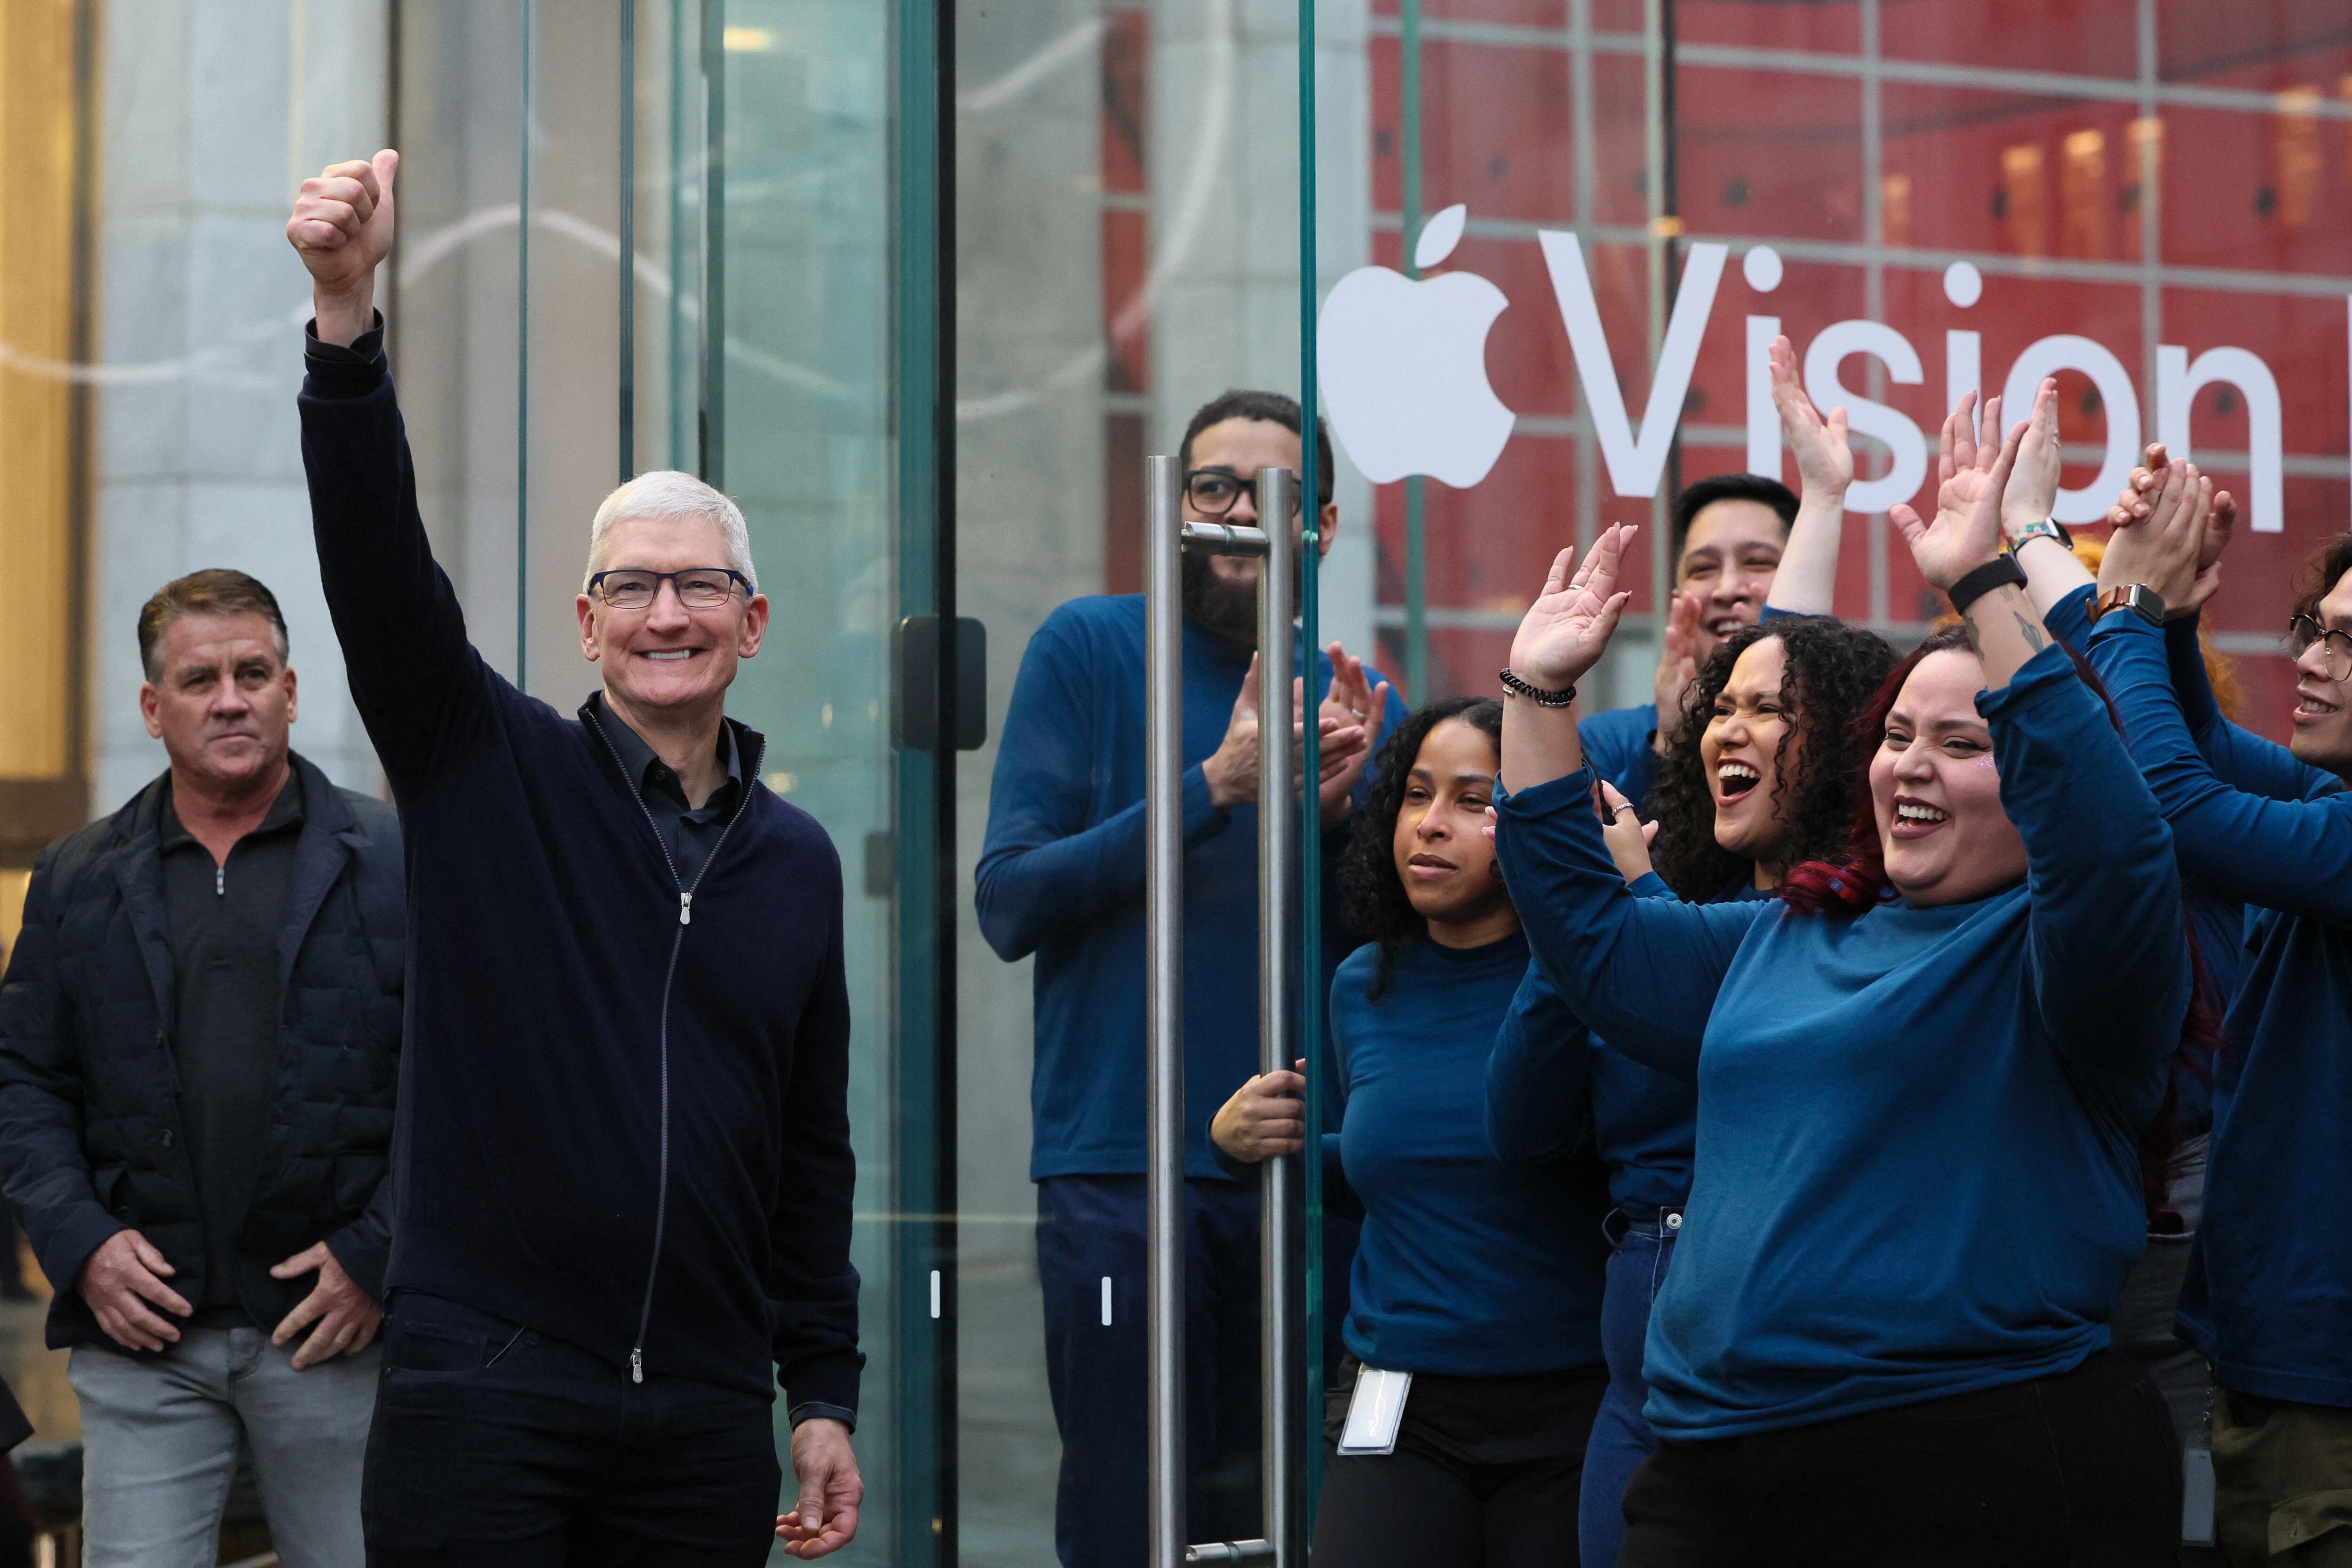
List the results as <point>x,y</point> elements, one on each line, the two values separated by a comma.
<point>619,1127</point>
<point>1881,1099</point>
<point>2269,1293</point>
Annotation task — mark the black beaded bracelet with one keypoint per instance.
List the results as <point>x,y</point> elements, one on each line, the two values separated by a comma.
<point>1536,694</point>
<point>1994,574</point>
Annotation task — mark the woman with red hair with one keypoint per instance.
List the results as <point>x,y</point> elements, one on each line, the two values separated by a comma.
<point>1922,1080</point>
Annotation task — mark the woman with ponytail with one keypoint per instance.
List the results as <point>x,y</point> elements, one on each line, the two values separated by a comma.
<point>1921,1085</point>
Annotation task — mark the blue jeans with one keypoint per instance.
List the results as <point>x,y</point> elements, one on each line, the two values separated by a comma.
<point>160,1438</point>
<point>1622,1438</point>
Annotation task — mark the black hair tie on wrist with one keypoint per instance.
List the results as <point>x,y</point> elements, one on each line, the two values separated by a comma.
<point>1996,572</point>
<point>1536,694</point>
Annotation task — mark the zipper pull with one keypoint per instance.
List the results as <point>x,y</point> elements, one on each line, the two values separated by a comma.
<point>636,1366</point>
<point>686,909</point>
<point>220,882</point>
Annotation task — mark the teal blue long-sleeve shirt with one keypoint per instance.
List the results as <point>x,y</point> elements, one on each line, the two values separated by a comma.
<point>1918,1172</point>
<point>2269,1292</point>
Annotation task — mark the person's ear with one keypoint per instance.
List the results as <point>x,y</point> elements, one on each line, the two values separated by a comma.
<point>754,629</point>
<point>293,698</point>
<point>587,611</point>
<point>1330,528</point>
<point>151,709</point>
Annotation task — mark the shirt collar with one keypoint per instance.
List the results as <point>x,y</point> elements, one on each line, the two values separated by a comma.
<point>284,811</point>
<point>642,767</point>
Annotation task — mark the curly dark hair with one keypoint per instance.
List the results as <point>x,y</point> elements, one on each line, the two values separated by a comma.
<point>1377,905</point>
<point>1834,670</point>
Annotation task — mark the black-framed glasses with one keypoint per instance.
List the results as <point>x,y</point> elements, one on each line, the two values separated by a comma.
<point>2335,657</point>
<point>1212,491</point>
<point>698,587</point>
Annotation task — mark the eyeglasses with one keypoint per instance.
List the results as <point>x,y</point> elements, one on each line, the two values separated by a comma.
<point>1213,491</point>
<point>699,587</point>
<point>2334,659</point>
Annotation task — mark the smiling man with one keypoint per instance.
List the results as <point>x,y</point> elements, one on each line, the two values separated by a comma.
<point>624,1173</point>
<point>198,1039</point>
<point>1729,533</point>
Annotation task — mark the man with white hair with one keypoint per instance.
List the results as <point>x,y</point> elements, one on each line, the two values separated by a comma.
<point>621,1164</point>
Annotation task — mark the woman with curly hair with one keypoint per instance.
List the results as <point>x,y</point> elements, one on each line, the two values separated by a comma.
<point>1760,781</point>
<point>1923,1074</point>
<point>1481,1279</point>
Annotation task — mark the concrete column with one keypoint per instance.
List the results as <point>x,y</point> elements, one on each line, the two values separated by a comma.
<point>212,112</point>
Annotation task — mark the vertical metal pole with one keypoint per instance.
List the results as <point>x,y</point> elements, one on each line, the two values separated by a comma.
<point>626,434</point>
<point>1163,663</point>
<point>1278,1235</point>
<point>1416,498</point>
<point>522,361</point>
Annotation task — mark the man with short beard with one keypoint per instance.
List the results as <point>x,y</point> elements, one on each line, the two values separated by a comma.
<point>1061,877</point>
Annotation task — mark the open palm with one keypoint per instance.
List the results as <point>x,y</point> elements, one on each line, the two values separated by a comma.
<point>1824,456</point>
<point>1568,627</point>
<point>1966,531</point>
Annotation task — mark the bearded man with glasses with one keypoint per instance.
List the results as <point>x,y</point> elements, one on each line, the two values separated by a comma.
<point>621,1164</point>
<point>1061,878</point>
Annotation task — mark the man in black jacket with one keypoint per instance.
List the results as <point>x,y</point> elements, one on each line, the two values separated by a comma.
<point>624,1173</point>
<point>199,1032</point>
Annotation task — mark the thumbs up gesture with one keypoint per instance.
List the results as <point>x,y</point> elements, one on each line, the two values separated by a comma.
<point>342,228</point>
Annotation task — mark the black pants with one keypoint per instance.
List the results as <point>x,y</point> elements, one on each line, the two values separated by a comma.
<point>1486,1475</point>
<point>495,1445</point>
<point>2074,1470</point>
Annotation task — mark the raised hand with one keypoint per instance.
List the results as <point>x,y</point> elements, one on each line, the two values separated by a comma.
<point>1628,836</point>
<point>1966,532</point>
<point>1824,457</point>
<point>1567,629</point>
<point>342,228</point>
<point>2167,551</point>
<point>2033,489</point>
<point>2133,503</point>
<point>1350,717</point>
<point>1677,663</point>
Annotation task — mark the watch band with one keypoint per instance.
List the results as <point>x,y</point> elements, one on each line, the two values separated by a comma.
<point>1994,574</point>
<point>2138,598</point>
<point>2047,528</point>
<point>1536,694</point>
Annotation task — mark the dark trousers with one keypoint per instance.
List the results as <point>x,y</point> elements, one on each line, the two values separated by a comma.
<point>1090,1228</point>
<point>2078,1469</point>
<point>1485,1475</point>
<point>493,1445</point>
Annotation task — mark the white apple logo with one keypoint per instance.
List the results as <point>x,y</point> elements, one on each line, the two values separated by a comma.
<point>1403,366</point>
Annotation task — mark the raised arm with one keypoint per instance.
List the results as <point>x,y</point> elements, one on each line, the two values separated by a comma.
<point>2293,855</point>
<point>1806,582</point>
<point>2055,579</point>
<point>417,681</point>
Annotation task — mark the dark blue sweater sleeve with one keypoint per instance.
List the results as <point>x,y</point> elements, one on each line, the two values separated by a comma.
<point>2294,856</point>
<point>1044,869</point>
<point>1538,1077</point>
<point>2107,952</point>
<point>1641,973</point>
<point>2069,619</point>
<point>2239,757</point>
<point>418,684</point>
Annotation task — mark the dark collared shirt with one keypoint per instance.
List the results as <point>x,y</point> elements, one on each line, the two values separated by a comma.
<point>223,922</point>
<point>690,832</point>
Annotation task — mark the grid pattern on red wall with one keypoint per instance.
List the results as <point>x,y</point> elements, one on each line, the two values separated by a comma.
<point>2135,172</point>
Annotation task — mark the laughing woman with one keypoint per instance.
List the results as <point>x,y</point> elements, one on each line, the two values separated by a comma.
<point>1922,1077</point>
<point>1481,1279</point>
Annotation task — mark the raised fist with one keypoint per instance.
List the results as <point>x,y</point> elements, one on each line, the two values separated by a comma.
<point>342,228</point>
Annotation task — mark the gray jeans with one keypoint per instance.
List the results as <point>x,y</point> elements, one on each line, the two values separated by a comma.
<point>160,1441</point>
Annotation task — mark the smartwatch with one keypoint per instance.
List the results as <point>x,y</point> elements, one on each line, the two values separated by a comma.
<point>2047,528</point>
<point>1998,572</point>
<point>2138,598</point>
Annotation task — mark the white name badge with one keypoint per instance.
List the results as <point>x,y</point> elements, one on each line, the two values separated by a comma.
<point>1375,1412</point>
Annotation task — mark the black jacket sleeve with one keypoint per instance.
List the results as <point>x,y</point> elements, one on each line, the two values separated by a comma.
<point>811,1281</point>
<point>42,1163</point>
<point>418,684</point>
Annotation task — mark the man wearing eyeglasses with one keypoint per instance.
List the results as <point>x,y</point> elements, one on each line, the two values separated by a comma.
<point>622,1163</point>
<point>1061,878</point>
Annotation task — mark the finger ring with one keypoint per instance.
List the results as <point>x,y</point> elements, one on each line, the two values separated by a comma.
<point>1356,711</point>
<point>1616,810</point>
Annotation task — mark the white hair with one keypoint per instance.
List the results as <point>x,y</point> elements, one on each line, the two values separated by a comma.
<point>666,493</point>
